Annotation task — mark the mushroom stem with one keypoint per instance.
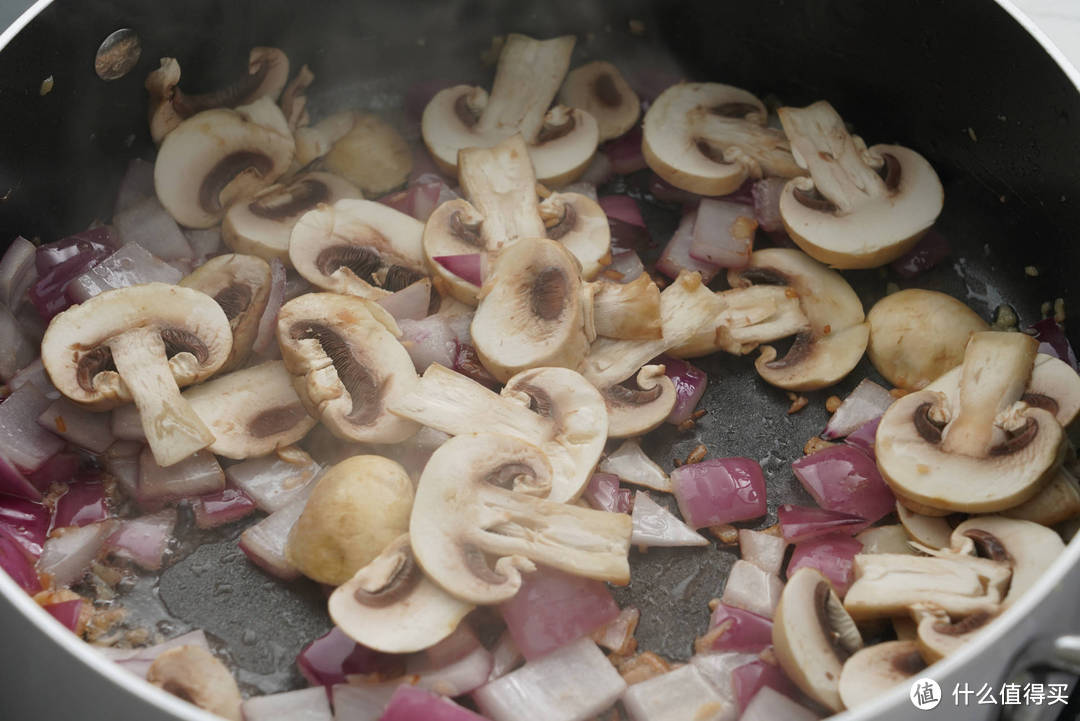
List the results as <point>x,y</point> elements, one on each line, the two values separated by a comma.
<point>995,373</point>
<point>762,150</point>
<point>172,428</point>
<point>500,183</point>
<point>758,314</point>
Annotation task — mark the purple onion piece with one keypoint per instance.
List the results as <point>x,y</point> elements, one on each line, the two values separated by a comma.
<point>67,613</point>
<point>864,437</point>
<point>690,383</point>
<point>766,198</point>
<point>801,523</point>
<point>747,632</point>
<point>218,509</point>
<point>605,494</point>
<point>867,402</point>
<point>82,504</point>
<point>676,255</point>
<point>931,249</point>
<point>18,566</point>
<point>843,478</point>
<point>330,658</point>
<point>1052,341</point>
<point>719,490</point>
<point>833,555</point>
<point>25,523</point>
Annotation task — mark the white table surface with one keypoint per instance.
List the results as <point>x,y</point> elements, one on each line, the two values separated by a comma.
<point>1060,20</point>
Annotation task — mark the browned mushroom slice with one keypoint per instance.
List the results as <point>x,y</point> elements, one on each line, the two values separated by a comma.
<point>600,90</point>
<point>346,365</point>
<point>630,311</point>
<point>241,286</point>
<point>141,343</point>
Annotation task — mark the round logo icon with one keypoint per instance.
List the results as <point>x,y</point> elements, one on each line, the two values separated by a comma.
<point>925,694</point>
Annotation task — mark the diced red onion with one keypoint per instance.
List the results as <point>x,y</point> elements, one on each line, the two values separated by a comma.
<point>17,271</point>
<point>676,255</point>
<point>654,525</point>
<point>764,550</point>
<point>306,704</point>
<point>430,340</point>
<point>626,264</point>
<point>626,236</point>
<point>622,207</point>
<point>273,482</point>
<point>24,522</point>
<point>867,402</point>
<point>931,249</point>
<point>723,234</point>
<point>573,683</point>
<point>415,704</point>
<point>689,384</point>
<point>505,657</point>
<point>625,152</point>
<point>66,556</point>
<point>144,540</point>
<point>618,634</point>
<point>801,523</point>
<point>266,336</point>
<point>747,681</point>
<point>67,613</point>
<point>361,703</point>
<point>469,266</point>
<point>864,437</point>
<point>459,644</point>
<point>467,362</point>
<point>833,555</point>
<point>22,441</point>
<point>204,242</point>
<point>138,660</point>
<point>1052,341</point>
<point>84,428</point>
<point>217,509</point>
<point>457,678</point>
<point>599,171</point>
<point>34,373</point>
<point>81,504</point>
<point>331,657</point>
<point>18,566</point>
<point>60,468</point>
<point>746,632</point>
<point>632,465</point>
<point>554,608</point>
<point>716,668</point>
<point>843,478</point>
<point>137,184</point>
<point>198,474</point>
<point>752,589</point>
<point>770,705</point>
<point>411,302</point>
<point>420,199</point>
<point>264,543</point>
<point>48,292</point>
<point>99,242</point>
<point>604,493</point>
<point>131,265</point>
<point>719,490</point>
<point>150,225</point>
<point>16,350</point>
<point>14,483</point>
<point>679,695</point>
<point>665,191</point>
<point>766,195</point>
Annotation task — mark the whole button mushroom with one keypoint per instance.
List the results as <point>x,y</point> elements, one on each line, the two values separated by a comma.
<point>141,344</point>
<point>599,89</point>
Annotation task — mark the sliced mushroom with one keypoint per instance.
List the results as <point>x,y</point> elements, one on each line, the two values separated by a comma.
<point>917,335</point>
<point>746,318</point>
<point>356,247</point>
<point>552,408</point>
<point>982,452</point>
<point>834,340</point>
<point>628,311</point>
<point>502,208</point>
<point>390,605</point>
<point>294,99</point>
<point>861,207</point>
<point>640,404</point>
<point>813,636</point>
<point>240,284</point>
<point>1027,547</point>
<point>1059,501</point>
<point>141,343</point>
<point>217,156</point>
<point>263,224</point>
<point>937,635</point>
<point>531,311</point>
<point>195,675</point>
<point>708,138</point>
<point>600,90</point>
<point>874,670</point>
<point>357,509</point>
<point>315,141</point>
<point>347,366</point>
<point>481,497</point>
<point>268,69</point>
<point>884,539</point>
<point>932,531</point>
<point>251,412</point>
<point>372,155</point>
<point>561,140</point>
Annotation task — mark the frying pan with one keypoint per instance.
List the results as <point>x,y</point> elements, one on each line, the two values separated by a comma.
<point>962,81</point>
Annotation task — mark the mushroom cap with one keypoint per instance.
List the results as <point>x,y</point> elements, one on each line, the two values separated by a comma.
<point>708,138</point>
<point>813,636</point>
<point>1059,501</point>
<point>251,412</point>
<point>372,155</point>
<point>858,218</point>
<point>599,89</point>
<point>453,229</point>
<point>390,605</point>
<point>833,343</point>
<point>531,310</point>
<point>351,246</point>
<point>240,284</point>
<point>262,225</point>
<point>875,669</point>
<point>930,531</point>
<point>937,636</point>
<point>196,330</point>
<point>197,676</point>
<point>636,411</point>
<point>917,335</point>
<point>1030,548</point>
<point>216,156</point>
<point>346,365</point>
<point>581,226</point>
<point>358,508</point>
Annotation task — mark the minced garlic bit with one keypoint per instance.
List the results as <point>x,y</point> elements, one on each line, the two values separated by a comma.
<point>1031,271</point>
<point>798,402</point>
<point>642,667</point>
<point>1059,310</point>
<point>637,27</point>
<point>46,86</point>
<point>697,455</point>
<point>815,444</point>
<point>1005,317</point>
<point>832,403</point>
<point>727,534</point>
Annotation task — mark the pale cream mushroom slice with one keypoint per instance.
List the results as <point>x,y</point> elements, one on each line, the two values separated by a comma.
<point>240,284</point>
<point>555,409</point>
<point>600,90</point>
<point>195,675</point>
<point>294,99</point>
<point>268,70</point>
<point>561,141</point>
<point>983,451</point>
<point>480,519</point>
<point>314,141</point>
<point>708,138</point>
<point>746,318</point>
<point>917,335</point>
<point>833,341</point>
<point>251,412</point>
<point>627,311</point>
<point>141,343</point>
<point>347,365</point>
<point>358,247</point>
<point>930,531</point>
<point>217,156</point>
<point>390,605</point>
<point>1028,548</point>
<point>262,225</point>
<point>531,311</point>
<point>1058,502</point>
<point>861,207</point>
<point>372,155</point>
<point>813,636</point>
<point>875,669</point>
<point>937,635</point>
